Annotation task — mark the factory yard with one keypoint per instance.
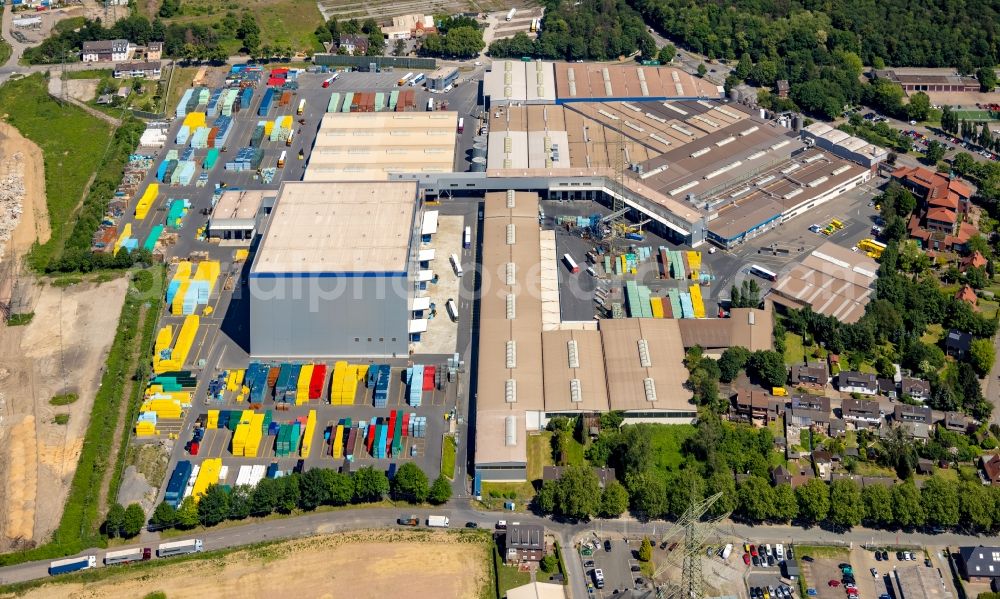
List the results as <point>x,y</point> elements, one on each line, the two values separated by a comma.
<point>425,564</point>
<point>61,351</point>
<point>23,215</point>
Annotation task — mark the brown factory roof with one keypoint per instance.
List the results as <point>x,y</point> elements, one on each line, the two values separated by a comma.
<point>746,327</point>
<point>573,363</point>
<point>593,81</point>
<point>644,360</point>
<point>832,280</point>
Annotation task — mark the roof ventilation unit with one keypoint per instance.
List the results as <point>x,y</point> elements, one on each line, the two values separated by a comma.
<point>510,431</point>
<point>510,234</point>
<point>511,353</point>
<point>644,360</point>
<point>650,388</point>
<point>574,354</point>
<point>574,391</point>
<point>511,307</point>
<point>509,275</point>
<point>510,390</point>
<point>510,198</point>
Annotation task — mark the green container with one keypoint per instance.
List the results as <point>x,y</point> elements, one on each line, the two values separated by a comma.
<point>210,159</point>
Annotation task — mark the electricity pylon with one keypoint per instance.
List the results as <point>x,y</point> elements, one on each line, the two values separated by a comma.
<point>690,532</point>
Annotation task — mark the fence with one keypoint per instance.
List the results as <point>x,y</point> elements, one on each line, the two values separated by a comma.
<point>380,62</point>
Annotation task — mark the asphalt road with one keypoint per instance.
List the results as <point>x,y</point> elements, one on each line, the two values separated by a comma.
<point>342,520</point>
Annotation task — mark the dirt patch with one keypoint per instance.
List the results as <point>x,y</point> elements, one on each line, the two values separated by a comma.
<point>61,351</point>
<point>24,217</point>
<point>83,90</point>
<point>417,565</point>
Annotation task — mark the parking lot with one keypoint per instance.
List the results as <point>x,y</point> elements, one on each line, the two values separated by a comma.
<point>620,565</point>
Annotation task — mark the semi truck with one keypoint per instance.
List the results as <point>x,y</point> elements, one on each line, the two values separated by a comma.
<point>179,548</point>
<point>437,521</point>
<point>72,564</point>
<point>127,555</point>
<point>302,107</point>
<point>510,14</point>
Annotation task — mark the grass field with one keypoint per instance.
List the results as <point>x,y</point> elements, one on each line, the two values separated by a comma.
<point>448,452</point>
<point>973,115</point>
<point>933,334</point>
<point>282,22</point>
<point>795,353</point>
<point>495,494</point>
<point>666,442</point>
<point>72,142</point>
<point>539,454</point>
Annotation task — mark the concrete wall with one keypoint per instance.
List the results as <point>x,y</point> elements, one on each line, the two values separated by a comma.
<point>326,316</point>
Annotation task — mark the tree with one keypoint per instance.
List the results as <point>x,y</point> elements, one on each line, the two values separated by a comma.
<point>647,493</point>
<point>667,53</point>
<point>545,498</point>
<point>987,77</point>
<point>906,507</point>
<point>935,151</point>
<point>722,482</point>
<point>169,8</point>
<point>187,513</point>
<point>289,493</point>
<point>578,492</point>
<point>341,488</point>
<point>846,506</point>
<point>240,502</point>
<point>314,488</point>
<point>702,69</point>
<point>370,485</point>
<point>213,506</point>
<point>549,563</point>
<point>164,516</point>
<point>399,48</point>
<point>977,508</point>
<point>756,499</point>
<point>731,362</point>
<point>982,355</point>
<point>410,484</point>
<point>878,504</point>
<point>919,107</point>
<point>940,500</point>
<point>265,497</point>
<point>440,491</point>
<point>814,501</point>
<point>768,367</point>
<point>963,163</point>
<point>786,506</point>
<point>614,500</point>
<point>114,521</point>
<point>645,550</point>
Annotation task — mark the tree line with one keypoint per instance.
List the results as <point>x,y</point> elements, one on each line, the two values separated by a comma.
<point>584,30</point>
<point>303,491</point>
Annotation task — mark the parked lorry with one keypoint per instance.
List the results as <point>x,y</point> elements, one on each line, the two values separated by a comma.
<point>727,551</point>
<point>179,548</point>
<point>510,14</point>
<point>72,564</point>
<point>411,520</point>
<point>127,555</point>
<point>437,521</point>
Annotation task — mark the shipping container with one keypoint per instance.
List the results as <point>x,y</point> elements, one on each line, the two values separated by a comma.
<point>571,263</point>
<point>329,81</point>
<point>281,159</point>
<point>461,125</point>
<point>125,556</point>
<point>405,79</point>
<point>302,107</point>
<point>456,264</point>
<point>438,521</point>
<point>417,79</point>
<point>452,310</point>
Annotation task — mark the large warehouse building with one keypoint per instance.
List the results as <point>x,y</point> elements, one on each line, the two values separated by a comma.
<point>333,273</point>
<point>368,146</point>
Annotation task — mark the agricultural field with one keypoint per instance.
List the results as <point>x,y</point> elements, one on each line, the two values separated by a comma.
<point>384,10</point>
<point>420,563</point>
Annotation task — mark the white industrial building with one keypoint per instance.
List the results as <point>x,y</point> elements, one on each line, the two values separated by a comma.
<point>334,273</point>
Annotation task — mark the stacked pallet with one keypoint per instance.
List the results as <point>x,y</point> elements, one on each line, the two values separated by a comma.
<point>146,201</point>
<point>165,358</point>
<point>207,475</point>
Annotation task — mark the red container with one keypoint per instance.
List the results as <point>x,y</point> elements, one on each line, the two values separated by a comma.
<point>195,446</point>
<point>664,265</point>
<point>371,437</point>
<point>406,425</point>
<point>275,82</point>
<point>279,71</point>
<point>317,380</point>
<point>392,426</point>
<point>428,378</point>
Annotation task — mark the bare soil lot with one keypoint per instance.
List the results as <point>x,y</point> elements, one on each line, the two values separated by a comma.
<point>62,350</point>
<point>372,564</point>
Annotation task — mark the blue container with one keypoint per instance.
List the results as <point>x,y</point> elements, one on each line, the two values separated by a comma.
<point>265,104</point>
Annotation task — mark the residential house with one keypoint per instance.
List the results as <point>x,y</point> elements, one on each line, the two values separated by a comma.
<point>810,374</point>
<point>604,474</point>
<point>354,44</point>
<point>957,343</point>
<point>809,410</point>
<point>979,564</point>
<point>925,466</point>
<point>887,387</point>
<point>823,461</point>
<point>955,422</point>
<point>409,26</point>
<point>838,428</point>
<point>861,412</point>
<point>753,404</point>
<point>524,543</point>
<point>990,464</point>
<point>973,260</point>
<point>968,295</point>
<point>938,223</point>
<point>783,87</point>
<point>780,475</point>
<point>106,51</point>
<point>917,389</point>
<point>908,413</point>
<point>850,381</point>
<point>145,70</point>
<point>154,50</point>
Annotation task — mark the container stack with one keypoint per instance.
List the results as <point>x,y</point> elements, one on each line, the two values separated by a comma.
<point>145,426</point>
<point>382,381</point>
<point>199,139</point>
<point>697,303</point>
<point>694,263</point>
<point>123,237</point>
<point>246,97</point>
<point>291,386</point>
<point>337,441</point>
<point>334,103</point>
<point>167,359</point>
<point>247,159</point>
<point>316,381</point>
<point>207,475</point>
<point>265,103</point>
<point>146,201</point>
<point>415,378</point>
<point>223,125</point>
<point>153,238</point>
<point>344,382</point>
<point>153,137</point>
<point>393,100</point>
<point>674,296</point>
<point>255,433</point>
<point>308,434</point>
<point>282,129</point>
<point>184,173</point>
<point>418,426</point>
<point>176,211</point>
<point>177,483</point>
<point>348,102</point>
<point>210,159</point>
<point>182,105</point>
<point>302,385</point>
<point>214,99</point>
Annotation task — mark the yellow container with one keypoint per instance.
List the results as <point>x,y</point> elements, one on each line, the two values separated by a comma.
<point>208,475</point>
<point>240,439</point>
<point>213,419</point>
<point>241,255</point>
<point>177,307</point>
<point>183,270</point>
<point>146,200</point>
<point>697,303</point>
<point>302,388</point>
<point>337,383</point>
<point>306,448</point>
<point>694,260</point>
<point>338,442</point>
<point>163,339</point>
<point>268,127</point>
<point>145,429</point>
<point>194,120</point>
<point>656,305</point>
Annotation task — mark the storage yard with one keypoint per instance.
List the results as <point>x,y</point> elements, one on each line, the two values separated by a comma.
<point>425,563</point>
<point>24,217</point>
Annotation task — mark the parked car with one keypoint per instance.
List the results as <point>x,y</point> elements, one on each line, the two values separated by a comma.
<point>927,562</point>
<point>471,525</point>
<point>878,556</point>
<point>756,561</point>
<point>807,558</point>
<point>899,556</point>
<point>770,561</point>
<point>834,583</point>
<point>746,558</point>
<point>753,551</point>
<point>885,556</point>
<point>874,572</point>
<point>607,545</point>
<point>811,592</point>
<point>636,569</point>
<point>588,564</point>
